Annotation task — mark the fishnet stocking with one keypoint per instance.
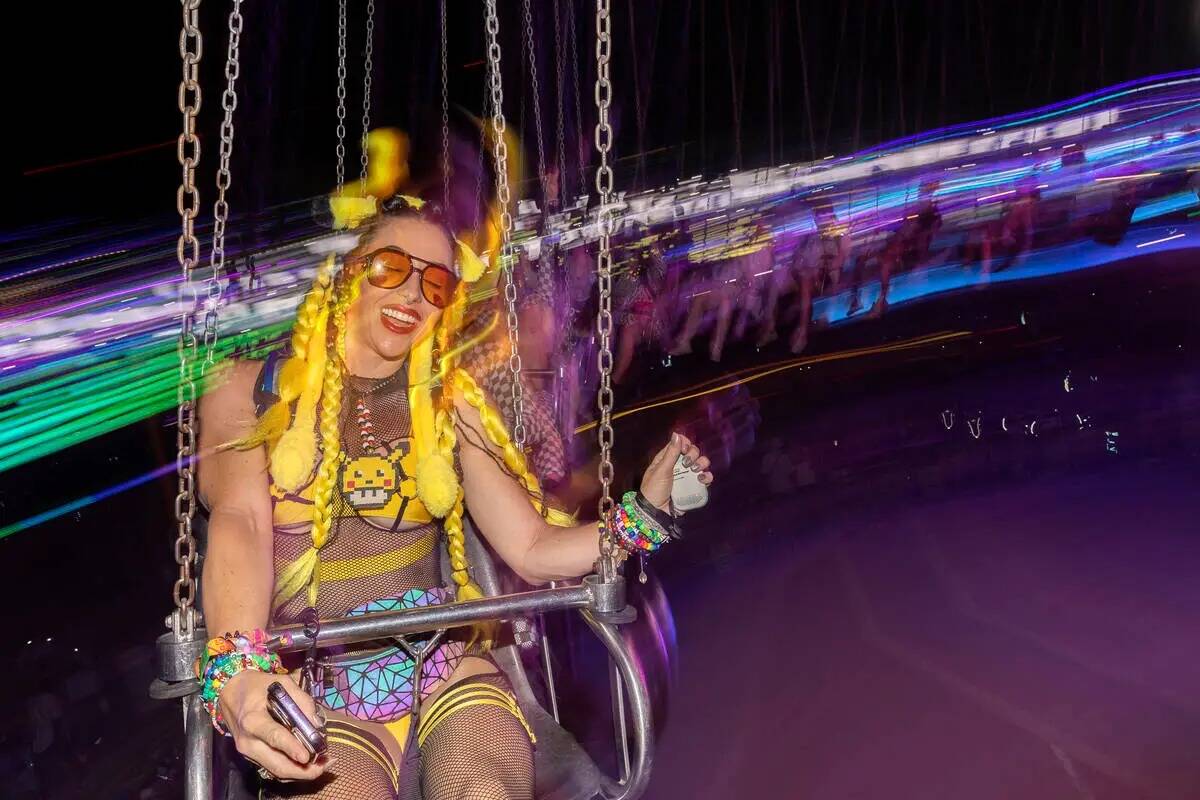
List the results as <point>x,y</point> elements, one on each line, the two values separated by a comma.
<point>359,772</point>
<point>480,752</point>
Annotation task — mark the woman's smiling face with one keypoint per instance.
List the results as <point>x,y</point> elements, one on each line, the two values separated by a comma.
<point>383,324</point>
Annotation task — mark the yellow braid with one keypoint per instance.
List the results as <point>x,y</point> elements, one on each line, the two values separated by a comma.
<point>514,459</point>
<point>303,572</point>
<point>314,301</point>
<point>331,441</point>
<point>293,373</point>
<point>351,293</point>
<point>456,543</point>
<point>446,443</point>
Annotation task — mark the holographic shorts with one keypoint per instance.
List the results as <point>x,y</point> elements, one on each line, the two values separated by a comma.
<point>378,685</point>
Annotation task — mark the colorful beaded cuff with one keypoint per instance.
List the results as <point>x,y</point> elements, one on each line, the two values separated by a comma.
<point>225,657</point>
<point>637,531</point>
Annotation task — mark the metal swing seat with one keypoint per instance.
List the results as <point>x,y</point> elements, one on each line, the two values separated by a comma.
<point>563,769</point>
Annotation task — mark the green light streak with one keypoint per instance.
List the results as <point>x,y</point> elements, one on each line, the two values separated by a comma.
<point>57,412</point>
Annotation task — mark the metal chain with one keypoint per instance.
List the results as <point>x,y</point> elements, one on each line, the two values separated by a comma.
<point>537,98</point>
<point>604,318</point>
<point>341,99</point>
<point>368,63</point>
<point>558,89</point>
<point>480,209</point>
<point>500,149</point>
<point>216,280</point>
<point>187,202</point>
<point>445,120</point>
<point>579,148</point>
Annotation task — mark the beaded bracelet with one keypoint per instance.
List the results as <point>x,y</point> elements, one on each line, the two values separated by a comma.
<point>637,532</point>
<point>664,519</point>
<point>226,656</point>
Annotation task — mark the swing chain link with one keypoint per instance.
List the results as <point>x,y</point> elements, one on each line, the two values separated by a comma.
<point>580,148</point>
<point>341,99</point>
<point>604,318</point>
<point>445,119</point>
<point>558,89</point>
<point>368,68</point>
<point>216,280</point>
<point>191,47</point>
<point>537,98</point>
<point>503,198</point>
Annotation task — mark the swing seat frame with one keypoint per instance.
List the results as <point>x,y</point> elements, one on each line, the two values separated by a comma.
<point>563,770</point>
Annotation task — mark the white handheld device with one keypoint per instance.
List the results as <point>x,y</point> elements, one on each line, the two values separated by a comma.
<point>687,492</point>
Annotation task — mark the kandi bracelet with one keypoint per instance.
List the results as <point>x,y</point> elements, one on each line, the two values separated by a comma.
<point>637,532</point>
<point>226,656</point>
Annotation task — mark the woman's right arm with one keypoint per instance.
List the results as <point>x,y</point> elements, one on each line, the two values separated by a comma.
<point>239,570</point>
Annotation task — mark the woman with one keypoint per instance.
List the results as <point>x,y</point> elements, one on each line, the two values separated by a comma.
<point>349,466</point>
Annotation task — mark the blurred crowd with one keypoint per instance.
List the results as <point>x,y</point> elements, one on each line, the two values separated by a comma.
<point>767,278</point>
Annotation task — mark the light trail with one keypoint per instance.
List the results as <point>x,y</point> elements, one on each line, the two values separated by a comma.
<point>85,501</point>
<point>765,371</point>
<point>88,324</point>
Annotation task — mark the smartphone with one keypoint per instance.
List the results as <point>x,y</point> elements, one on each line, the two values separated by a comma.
<point>283,709</point>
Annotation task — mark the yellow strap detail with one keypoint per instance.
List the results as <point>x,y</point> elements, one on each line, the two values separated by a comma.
<point>346,733</point>
<point>365,747</point>
<point>380,564</point>
<point>298,574</point>
<point>466,696</point>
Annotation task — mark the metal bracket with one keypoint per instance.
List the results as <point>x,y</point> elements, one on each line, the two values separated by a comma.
<point>608,600</point>
<point>177,655</point>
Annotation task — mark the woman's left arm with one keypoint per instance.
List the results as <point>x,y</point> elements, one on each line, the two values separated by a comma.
<point>536,550</point>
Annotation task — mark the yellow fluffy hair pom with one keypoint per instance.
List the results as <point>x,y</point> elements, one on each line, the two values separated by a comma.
<point>293,458</point>
<point>470,265</point>
<point>437,484</point>
<point>294,455</point>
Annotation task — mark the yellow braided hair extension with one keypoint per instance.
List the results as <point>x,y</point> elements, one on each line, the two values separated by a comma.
<point>437,483</point>
<point>484,633</point>
<point>514,459</point>
<point>294,453</point>
<point>446,443</point>
<point>293,374</point>
<point>303,571</point>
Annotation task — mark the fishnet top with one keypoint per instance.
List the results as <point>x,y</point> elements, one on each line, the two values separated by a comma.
<point>383,542</point>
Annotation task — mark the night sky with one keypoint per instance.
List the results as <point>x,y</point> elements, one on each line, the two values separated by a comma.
<point>94,83</point>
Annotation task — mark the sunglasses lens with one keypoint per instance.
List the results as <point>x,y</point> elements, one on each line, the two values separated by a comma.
<point>389,269</point>
<point>438,284</point>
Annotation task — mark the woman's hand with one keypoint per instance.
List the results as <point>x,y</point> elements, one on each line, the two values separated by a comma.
<point>660,475</point>
<point>258,736</point>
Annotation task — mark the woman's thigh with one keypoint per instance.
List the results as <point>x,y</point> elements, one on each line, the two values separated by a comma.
<point>475,743</point>
<point>363,766</point>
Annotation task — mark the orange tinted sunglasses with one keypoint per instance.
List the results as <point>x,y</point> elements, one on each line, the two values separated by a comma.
<point>391,267</point>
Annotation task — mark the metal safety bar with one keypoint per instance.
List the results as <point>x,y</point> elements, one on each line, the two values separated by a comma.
<point>604,598</point>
